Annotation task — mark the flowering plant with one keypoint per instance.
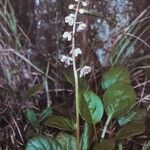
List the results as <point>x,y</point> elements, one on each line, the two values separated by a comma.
<point>118,99</point>
<point>71,20</point>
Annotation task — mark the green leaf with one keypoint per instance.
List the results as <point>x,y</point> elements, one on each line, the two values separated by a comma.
<point>119,99</point>
<point>31,115</point>
<point>105,145</point>
<point>91,110</point>
<point>45,114</point>
<point>130,130</point>
<point>33,90</point>
<point>86,137</point>
<point>83,109</point>
<point>113,75</point>
<point>43,143</point>
<point>67,141</point>
<point>137,116</point>
<point>60,122</point>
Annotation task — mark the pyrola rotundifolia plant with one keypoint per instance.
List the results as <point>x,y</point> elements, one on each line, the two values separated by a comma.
<point>75,26</point>
<point>118,102</point>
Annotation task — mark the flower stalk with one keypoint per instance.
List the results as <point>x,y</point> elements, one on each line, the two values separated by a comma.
<point>71,20</point>
<point>76,80</point>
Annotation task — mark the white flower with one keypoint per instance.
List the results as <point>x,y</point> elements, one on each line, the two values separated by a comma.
<point>77,51</point>
<point>84,4</point>
<point>81,27</point>
<point>70,19</point>
<point>66,59</point>
<point>85,70</point>
<point>67,35</point>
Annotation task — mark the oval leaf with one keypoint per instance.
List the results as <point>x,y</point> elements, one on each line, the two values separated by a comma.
<point>113,75</point>
<point>130,130</point>
<point>86,137</point>
<point>43,143</point>
<point>105,145</point>
<point>67,141</point>
<point>32,117</point>
<point>119,99</point>
<point>95,107</point>
<point>134,116</point>
<point>60,122</point>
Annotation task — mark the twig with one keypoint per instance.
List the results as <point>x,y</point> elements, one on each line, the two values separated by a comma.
<point>138,38</point>
<point>18,129</point>
<point>141,84</point>
<point>46,87</point>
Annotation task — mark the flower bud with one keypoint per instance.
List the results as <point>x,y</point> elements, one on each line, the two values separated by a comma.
<point>71,6</point>
<point>84,4</point>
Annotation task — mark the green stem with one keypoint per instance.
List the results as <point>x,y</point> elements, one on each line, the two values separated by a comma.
<point>105,127</point>
<point>76,81</point>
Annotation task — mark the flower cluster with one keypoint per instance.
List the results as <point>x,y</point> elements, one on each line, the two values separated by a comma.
<point>79,27</point>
